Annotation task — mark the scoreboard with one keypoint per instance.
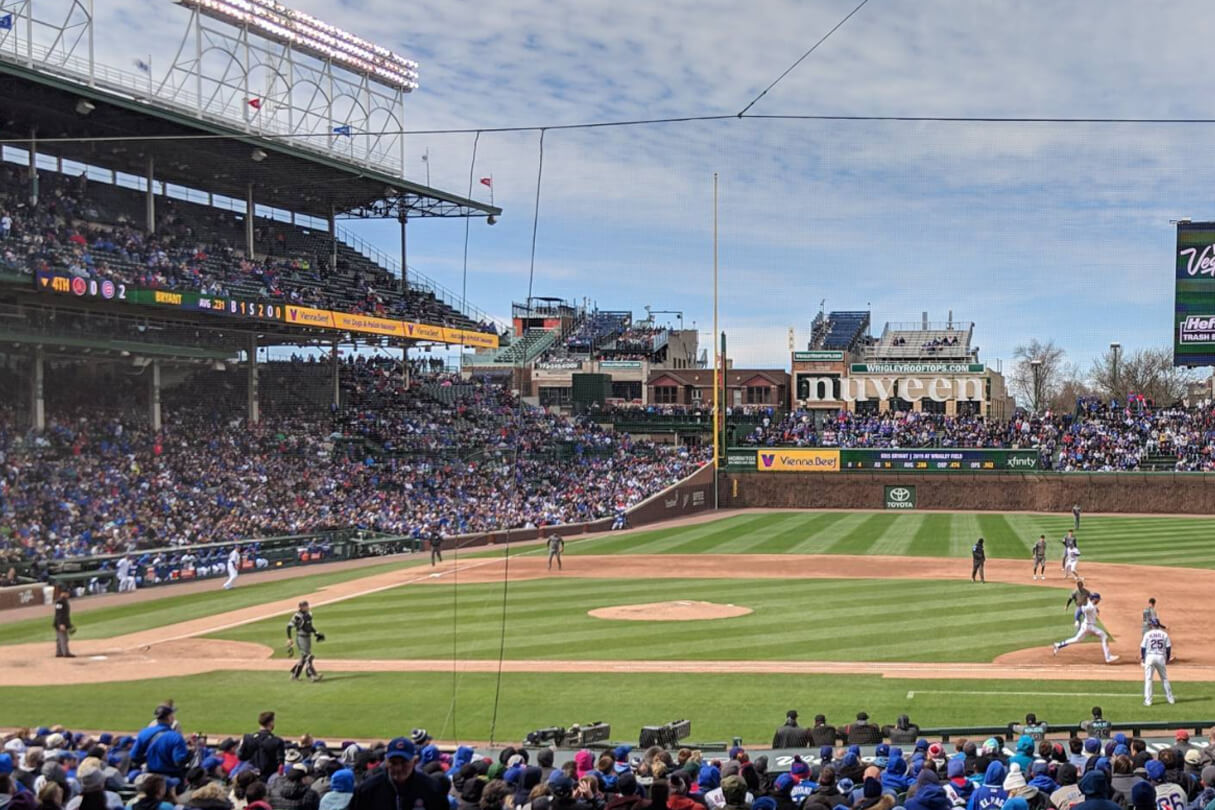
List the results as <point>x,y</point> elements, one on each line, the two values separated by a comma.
<point>942,459</point>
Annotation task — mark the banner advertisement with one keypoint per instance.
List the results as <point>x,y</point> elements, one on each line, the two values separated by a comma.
<point>797,459</point>
<point>619,364</point>
<point>918,368</point>
<point>559,365</point>
<point>818,356</point>
<point>106,290</point>
<point>901,496</point>
<point>1194,295</point>
<point>740,459</point>
<point>962,459</point>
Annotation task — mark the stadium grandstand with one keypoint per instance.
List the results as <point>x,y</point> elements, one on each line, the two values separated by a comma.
<point>195,354</point>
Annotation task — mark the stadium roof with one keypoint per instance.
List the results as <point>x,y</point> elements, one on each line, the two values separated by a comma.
<point>288,177</point>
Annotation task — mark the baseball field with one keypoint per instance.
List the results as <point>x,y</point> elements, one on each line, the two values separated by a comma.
<point>727,621</point>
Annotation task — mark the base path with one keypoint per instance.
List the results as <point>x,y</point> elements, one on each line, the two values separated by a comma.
<point>177,649</point>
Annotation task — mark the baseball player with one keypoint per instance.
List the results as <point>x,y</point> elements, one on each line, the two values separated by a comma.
<point>1039,554</point>
<point>233,567</point>
<point>1076,516</point>
<point>978,556</point>
<point>1088,627</point>
<point>1069,542</point>
<point>1079,597</point>
<point>301,623</point>
<point>556,545</point>
<point>1155,651</point>
<point>1150,617</point>
<point>1071,559</point>
<point>126,581</point>
<point>436,548</point>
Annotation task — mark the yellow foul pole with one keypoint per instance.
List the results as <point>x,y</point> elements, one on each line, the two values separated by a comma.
<point>716,363</point>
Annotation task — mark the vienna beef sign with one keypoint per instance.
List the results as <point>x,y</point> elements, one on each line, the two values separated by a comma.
<point>1194,295</point>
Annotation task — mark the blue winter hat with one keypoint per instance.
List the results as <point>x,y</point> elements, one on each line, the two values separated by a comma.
<point>429,753</point>
<point>1120,738</point>
<point>882,750</point>
<point>854,749</point>
<point>1121,751</point>
<point>6,764</point>
<point>921,745</point>
<point>784,782</point>
<point>708,778</point>
<point>1092,745</point>
<point>621,753</point>
<point>1155,770</point>
<point>956,768</point>
<point>1103,764</point>
<point>825,753</point>
<point>342,781</point>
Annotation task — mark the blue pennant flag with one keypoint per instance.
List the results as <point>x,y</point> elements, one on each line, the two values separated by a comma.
<point>6,22</point>
<point>344,129</point>
<point>143,66</point>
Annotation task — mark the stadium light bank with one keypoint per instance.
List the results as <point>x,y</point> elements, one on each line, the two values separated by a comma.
<point>278,23</point>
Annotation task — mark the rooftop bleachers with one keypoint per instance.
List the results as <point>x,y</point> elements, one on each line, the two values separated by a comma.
<point>937,341</point>
<point>843,330</point>
<point>534,343</point>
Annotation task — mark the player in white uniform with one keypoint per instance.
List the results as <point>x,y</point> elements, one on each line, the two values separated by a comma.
<point>1088,626</point>
<point>233,567</point>
<point>1155,651</point>
<point>1070,558</point>
<point>126,582</point>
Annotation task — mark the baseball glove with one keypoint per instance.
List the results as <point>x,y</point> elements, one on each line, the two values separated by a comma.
<point>290,650</point>
<point>320,636</point>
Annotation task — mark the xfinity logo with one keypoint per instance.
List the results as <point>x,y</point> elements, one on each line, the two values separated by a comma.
<point>1027,462</point>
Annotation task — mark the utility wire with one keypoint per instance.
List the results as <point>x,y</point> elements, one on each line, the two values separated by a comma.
<point>800,59</point>
<point>527,302</point>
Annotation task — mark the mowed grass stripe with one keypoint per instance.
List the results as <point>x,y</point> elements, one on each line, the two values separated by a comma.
<point>1139,540</point>
<point>842,619</point>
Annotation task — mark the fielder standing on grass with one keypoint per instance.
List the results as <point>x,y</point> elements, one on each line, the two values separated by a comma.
<point>978,556</point>
<point>555,546</point>
<point>301,623</point>
<point>1076,517</point>
<point>1155,652</point>
<point>233,567</point>
<point>1039,553</point>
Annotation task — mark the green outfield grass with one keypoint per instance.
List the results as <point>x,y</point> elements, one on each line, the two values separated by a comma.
<point>1145,541</point>
<point>373,705</point>
<point>121,619</point>
<point>828,619</point>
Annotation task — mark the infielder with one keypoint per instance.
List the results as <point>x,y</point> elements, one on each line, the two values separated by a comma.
<point>1039,553</point>
<point>301,623</point>
<point>233,567</point>
<point>1150,617</point>
<point>1155,651</point>
<point>1069,542</point>
<point>1079,597</point>
<point>1088,627</point>
<point>556,545</point>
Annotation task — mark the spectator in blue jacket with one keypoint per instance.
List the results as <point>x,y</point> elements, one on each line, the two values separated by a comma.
<point>1025,753</point>
<point>895,778</point>
<point>991,794</point>
<point>161,746</point>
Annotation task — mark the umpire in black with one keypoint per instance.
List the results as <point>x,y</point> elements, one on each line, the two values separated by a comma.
<point>436,548</point>
<point>63,622</point>
<point>978,556</point>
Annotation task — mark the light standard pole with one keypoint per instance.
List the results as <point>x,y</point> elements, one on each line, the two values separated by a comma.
<point>1115,349</point>
<point>1036,365</point>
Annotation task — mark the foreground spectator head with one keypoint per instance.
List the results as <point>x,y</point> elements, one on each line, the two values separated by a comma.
<point>399,759</point>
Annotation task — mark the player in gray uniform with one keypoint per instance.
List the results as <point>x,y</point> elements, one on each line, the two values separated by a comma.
<point>1150,618</point>
<point>301,623</point>
<point>1039,553</point>
<point>555,546</point>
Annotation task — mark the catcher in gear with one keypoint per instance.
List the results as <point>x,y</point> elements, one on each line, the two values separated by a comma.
<point>301,623</point>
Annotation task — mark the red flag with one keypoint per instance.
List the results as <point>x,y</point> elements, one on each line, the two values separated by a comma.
<point>255,103</point>
<point>487,181</point>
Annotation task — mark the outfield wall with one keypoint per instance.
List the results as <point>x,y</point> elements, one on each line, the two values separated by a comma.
<point>1164,493</point>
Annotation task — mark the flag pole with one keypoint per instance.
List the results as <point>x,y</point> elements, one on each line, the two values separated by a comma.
<point>716,364</point>
<point>491,188</point>
<point>426,160</point>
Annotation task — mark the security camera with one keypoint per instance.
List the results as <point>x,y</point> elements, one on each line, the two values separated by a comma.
<point>491,220</point>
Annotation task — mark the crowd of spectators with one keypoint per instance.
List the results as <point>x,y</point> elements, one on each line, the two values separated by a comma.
<point>1098,436</point>
<point>99,480</point>
<point>160,768</point>
<point>71,231</point>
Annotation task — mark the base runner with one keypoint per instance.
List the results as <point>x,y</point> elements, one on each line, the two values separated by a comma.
<point>1088,627</point>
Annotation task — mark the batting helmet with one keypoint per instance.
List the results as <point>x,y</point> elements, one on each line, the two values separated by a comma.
<point>1093,597</point>
<point>1154,622</point>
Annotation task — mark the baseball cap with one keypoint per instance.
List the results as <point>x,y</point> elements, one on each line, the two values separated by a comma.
<point>1182,734</point>
<point>1192,757</point>
<point>1155,769</point>
<point>6,764</point>
<point>401,748</point>
<point>734,789</point>
<point>1091,745</point>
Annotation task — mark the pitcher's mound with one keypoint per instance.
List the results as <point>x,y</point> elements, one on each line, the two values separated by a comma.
<point>681,611</point>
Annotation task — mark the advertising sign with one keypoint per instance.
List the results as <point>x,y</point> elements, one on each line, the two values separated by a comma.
<point>818,356</point>
<point>740,459</point>
<point>927,459</point>
<point>900,496</point>
<point>918,368</point>
<point>619,364</point>
<point>1194,295</point>
<point>797,459</point>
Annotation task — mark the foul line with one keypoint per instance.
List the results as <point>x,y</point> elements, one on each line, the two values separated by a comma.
<point>914,692</point>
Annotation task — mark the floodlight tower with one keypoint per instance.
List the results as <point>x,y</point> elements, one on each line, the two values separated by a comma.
<point>277,71</point>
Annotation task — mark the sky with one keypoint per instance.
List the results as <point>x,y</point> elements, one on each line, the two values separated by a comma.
<point>1030,230</point>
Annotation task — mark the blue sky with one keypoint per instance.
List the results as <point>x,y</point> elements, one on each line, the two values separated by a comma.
<point>1031,230</point>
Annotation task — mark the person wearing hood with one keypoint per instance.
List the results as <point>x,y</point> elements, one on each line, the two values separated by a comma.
<point>957,786</point>
<point>1040,778</point>
<point>991,794</point>
<point>851,768</point>
<point>1024,758</point>
<point>929,794</point>
<point>1096,790</point>
<point>341,789</point>
<point>895,777</point>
